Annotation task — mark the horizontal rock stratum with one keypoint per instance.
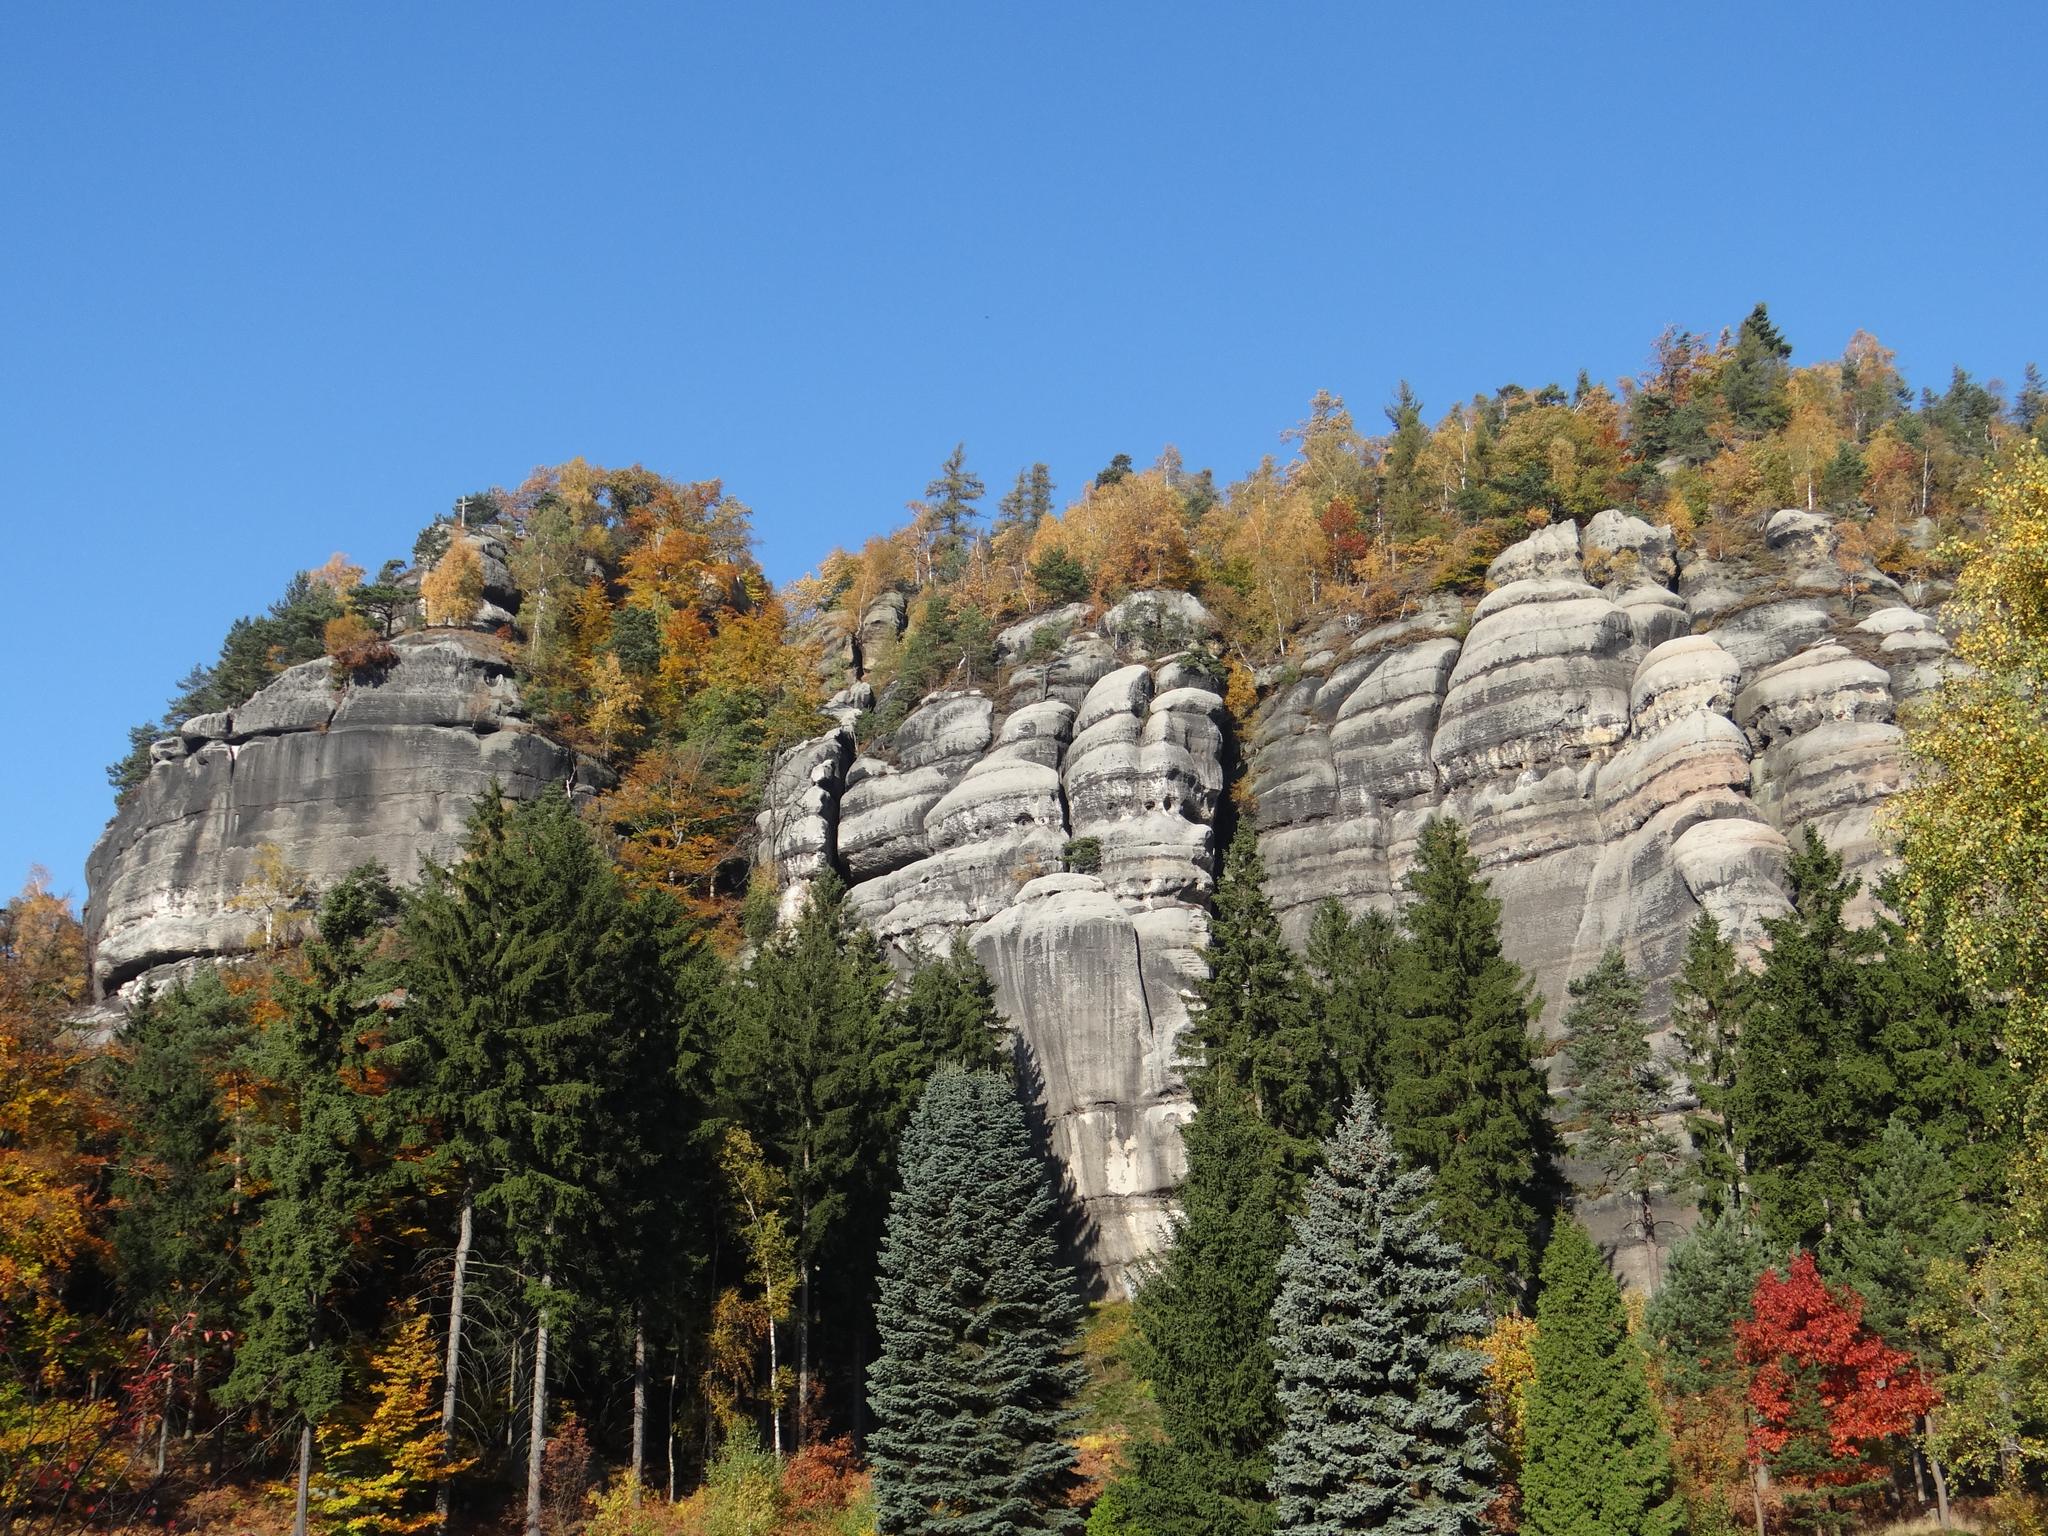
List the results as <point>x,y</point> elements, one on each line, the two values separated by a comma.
<point>1629,732</point>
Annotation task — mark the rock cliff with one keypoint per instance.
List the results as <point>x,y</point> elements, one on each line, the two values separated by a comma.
<point>328,775</point>
<point>1629,736</point>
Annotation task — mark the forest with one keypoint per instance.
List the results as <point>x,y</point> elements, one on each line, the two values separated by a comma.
<point>564,1190</point>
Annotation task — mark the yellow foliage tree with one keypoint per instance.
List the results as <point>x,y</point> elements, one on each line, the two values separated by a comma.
<point>454,587</point>
<point>614,717</point>
<point>1974,820</point>
<point>378,1477</point>
<point>1128,534</point>
<point>273,890</point>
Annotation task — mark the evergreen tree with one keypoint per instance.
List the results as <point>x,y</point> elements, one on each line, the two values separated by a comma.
<point>1352,961</point>
<point>1910,1215</point>
<point>178,1212</point>
<point>1753,380</point>
<point>1597,1461</point>
<point>1027,503</point>
<point>1381,1391</point>
<point>1257,1032</point>
<point>817,1065</point>
<point>1619,1089</point>
<point>1708,1001</point>
<point>1405,492</point>
<point>950,500</point>
<point>1706,1291</point>
<point>309,1156</point>
<point>1056,574</point>
<point>977,1319</point>
<point>1811,1089</point>
<point>1465,1099</point>
<point>526,970</point>
<point>1201,1322</point>
<point>949,1015</point>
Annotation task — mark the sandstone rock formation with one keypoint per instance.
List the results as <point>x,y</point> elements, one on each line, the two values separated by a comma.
<point>1629,733</point>
<point>330,776</point>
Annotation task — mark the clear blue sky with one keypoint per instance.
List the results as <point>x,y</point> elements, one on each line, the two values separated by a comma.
<point>283,279</point>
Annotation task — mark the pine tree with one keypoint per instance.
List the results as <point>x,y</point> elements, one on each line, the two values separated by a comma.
<point>1597,1461</point>
<point>1620,1089</point>
<point>1910,1215</point>
<point>1465,1099</point>
<point>1812,1090</point>
<point>978,1319</point>
<point>308,1156</point>
<point>1257,1032</point>
<point>1352,962</point>
<point>1708,1001</point>
<point>1384,1424</point>
<point>1027,503</point>
<point>1202,1320</point>
<point>949,501</point>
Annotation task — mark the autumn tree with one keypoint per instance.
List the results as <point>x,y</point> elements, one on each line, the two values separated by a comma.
<point>380,1472</point>
<point>452,590</point>
<point>1825,1390</point>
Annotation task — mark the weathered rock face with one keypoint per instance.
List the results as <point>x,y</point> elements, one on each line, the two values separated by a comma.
<point>1628,734</point>
<point>381,770</point>
<point>961,823</point>
<point>1628,738</point>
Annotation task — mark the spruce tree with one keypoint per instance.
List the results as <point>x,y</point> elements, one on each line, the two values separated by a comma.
<point>520,1039</point>
<point>1257,1031</point>
<point>1381,1391</point>
<point>1812,1089</point>
<point>1708,1001</point>
<point>978,1318</point>
<point>1202,1320</point>
<point>1352,961</point>
<point>1465,1099</point>
<point>1619,1090</point>
<point>949,1014</point>
<point>1753,380</point>
<point>816,1063</point>
<point>1597,1461</point>
<point>1910,1213</point>
<point>308,1154</point>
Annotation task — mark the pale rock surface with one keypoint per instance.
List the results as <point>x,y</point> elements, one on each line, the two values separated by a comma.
<point>381,769</point>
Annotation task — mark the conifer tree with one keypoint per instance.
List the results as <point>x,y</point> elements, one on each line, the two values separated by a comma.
<point>1812,1090</point>
<point>1202,1321</point>
<point>977,1319</point>
<point>1619,1090</point>
<point>178,1216</point>
<point>1465,1099</point>
<point>1257,1032</point>
<point>1352,961</point>
<point>1753,379</point>
<point>949,1014</point>
<point>1382,1393</point>
<point>1910,1215</point>
<point>1706,1291</point>
<point>1708,1001</point>
<point>308,1155</point>
<point>816,1062</point>
<point>1597,1462</point>
<point>526,968</point>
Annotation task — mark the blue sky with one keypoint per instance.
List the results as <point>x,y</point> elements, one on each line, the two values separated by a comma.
<point>280,280</point>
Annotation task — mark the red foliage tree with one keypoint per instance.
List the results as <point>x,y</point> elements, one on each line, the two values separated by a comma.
<point>1824,1389</point>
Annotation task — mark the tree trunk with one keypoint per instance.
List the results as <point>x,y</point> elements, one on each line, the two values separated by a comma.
<point>803,1362</point>
<point>774,1389</point>
<point>537,1432</point>
<point>465,1230</point>
<point>163,1435</point>
<point>639,1401</point>
<point>1934,1468</point>
<point>1756,1492</point>
<point>669,1433</point>
<point>305,1478</point>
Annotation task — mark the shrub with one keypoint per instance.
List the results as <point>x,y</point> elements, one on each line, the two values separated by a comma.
<point>355,648</point>
<point>1082,856</point>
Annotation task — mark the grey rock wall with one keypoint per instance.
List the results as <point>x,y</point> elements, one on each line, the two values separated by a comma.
<point>382,770</point>
<point>1630,736</point>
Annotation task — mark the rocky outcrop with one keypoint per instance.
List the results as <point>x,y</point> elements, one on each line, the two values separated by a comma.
<point>330,776</point>
<point>1630,735</point>
<point>962,823</point>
